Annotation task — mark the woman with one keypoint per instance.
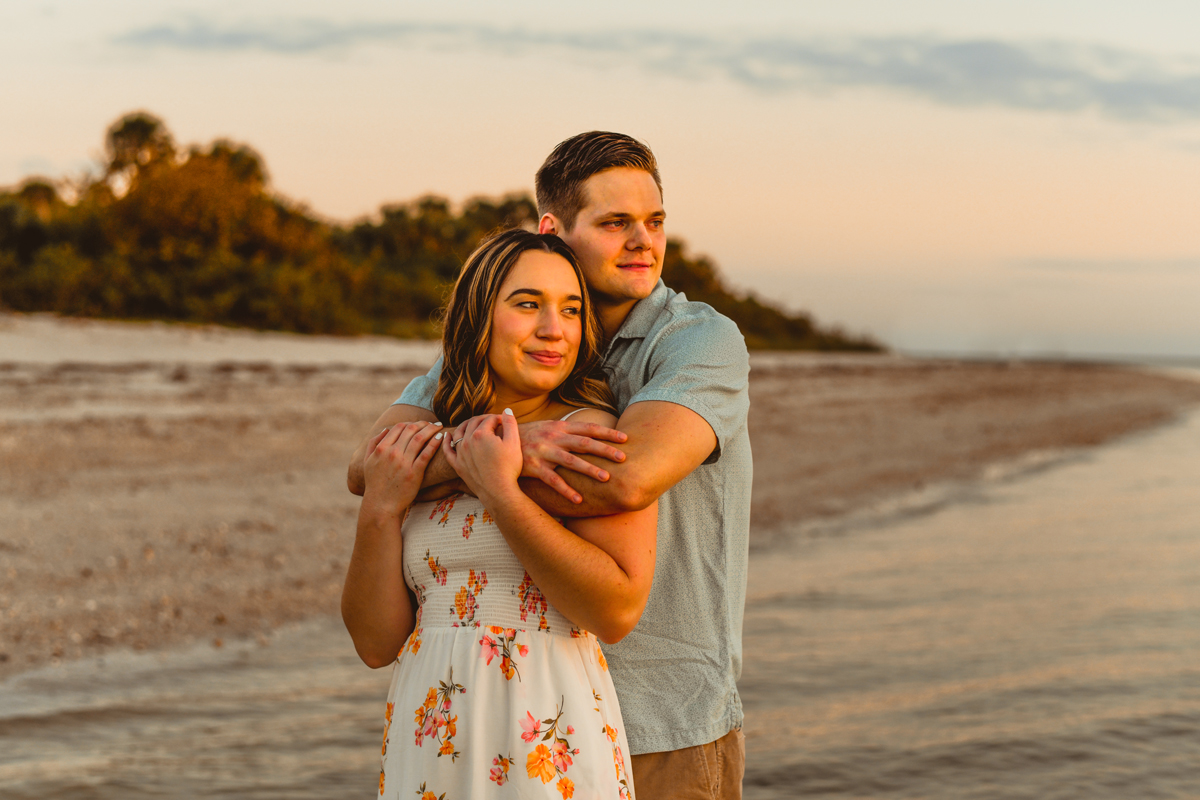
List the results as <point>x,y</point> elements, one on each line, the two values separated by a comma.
<point>498,682</point>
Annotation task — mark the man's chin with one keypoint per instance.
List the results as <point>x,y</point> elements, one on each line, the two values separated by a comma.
<point>646,289</point>
<point>640,286</point>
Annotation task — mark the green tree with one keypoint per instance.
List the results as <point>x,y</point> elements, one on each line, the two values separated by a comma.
<point>198,235</point>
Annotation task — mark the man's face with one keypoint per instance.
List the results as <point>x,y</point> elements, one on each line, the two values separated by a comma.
<point>618,236</point>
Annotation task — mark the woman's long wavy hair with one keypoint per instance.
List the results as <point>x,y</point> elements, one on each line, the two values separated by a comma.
<point>465,387</point>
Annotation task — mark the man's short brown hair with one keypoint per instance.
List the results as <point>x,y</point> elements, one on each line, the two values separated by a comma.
<point>559,181</point>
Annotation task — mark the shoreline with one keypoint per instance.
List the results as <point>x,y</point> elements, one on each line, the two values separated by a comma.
<point>153,504</point>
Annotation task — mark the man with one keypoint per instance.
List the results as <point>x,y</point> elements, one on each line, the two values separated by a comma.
<point>680,372</point>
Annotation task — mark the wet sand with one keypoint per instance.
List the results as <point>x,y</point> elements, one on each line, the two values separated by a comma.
<point>164,485</point>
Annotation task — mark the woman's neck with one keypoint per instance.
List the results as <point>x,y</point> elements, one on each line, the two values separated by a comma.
<point>525,409</point>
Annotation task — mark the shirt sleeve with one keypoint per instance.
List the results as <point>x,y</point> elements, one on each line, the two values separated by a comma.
<point>420,390</point>
<point>700,362</point>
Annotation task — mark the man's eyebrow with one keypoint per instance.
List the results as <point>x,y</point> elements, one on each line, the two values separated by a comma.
<point>626,215</point>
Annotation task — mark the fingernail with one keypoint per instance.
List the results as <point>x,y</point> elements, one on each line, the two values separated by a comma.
<point>438,435</point>
<point>508,411</point>
<point>576,499</point>
<point>603,476</point>
<point>438,424</point>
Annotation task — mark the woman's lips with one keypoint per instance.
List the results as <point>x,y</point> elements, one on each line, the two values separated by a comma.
<point>547,357</point>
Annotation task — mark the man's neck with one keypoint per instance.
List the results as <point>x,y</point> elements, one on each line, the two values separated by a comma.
<point>612,317</point>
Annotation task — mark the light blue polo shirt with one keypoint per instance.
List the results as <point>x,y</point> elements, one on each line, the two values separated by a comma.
<point>676,672</point>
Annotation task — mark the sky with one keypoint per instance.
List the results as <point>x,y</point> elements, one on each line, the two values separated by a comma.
<point>1004,178</point>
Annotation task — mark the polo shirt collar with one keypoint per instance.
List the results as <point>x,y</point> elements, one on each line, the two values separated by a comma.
<point>644,313</point>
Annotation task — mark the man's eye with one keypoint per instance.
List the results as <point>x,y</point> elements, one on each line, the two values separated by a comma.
<point>655,223</point>
<point>614,224</point>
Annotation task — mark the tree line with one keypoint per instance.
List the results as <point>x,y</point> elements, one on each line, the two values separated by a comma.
<point>196,235</point>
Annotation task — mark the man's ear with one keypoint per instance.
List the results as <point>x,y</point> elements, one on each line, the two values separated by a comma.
<point>549,224</point>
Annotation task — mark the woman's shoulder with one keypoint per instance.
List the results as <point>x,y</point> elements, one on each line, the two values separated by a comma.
<point>597,415</point>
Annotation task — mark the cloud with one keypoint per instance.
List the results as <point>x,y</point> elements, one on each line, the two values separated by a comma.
<point>970,72</point>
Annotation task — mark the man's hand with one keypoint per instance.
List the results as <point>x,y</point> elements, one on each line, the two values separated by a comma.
<point>666,442</point>
<point>550,444</point>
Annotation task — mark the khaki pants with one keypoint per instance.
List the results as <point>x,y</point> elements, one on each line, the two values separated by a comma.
<point>710,771</point>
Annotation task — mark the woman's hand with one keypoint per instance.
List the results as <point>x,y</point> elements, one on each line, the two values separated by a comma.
<point>485,451</point>
<point>395,464</point>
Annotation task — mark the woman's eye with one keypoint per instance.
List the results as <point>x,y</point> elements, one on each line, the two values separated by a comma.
<point>572,310</point>
<point>527,304</point>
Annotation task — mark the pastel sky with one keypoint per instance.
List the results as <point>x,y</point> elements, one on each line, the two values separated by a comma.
<point>1011,178</point>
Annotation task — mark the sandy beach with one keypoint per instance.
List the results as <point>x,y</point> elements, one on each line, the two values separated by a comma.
<point>163,485</point>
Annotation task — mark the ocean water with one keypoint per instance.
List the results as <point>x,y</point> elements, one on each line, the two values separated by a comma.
<point>1035,634</point>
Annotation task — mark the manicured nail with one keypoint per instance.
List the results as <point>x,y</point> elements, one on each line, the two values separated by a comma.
<point>438,435</point>
<point>438,424</point>
<point>508,411</point>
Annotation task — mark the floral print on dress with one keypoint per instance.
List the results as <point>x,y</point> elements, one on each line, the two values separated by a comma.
<point>500,765</point>
<point>468,524</point>
<point>444,507</point>
<point>414,640</point>
<point>386,730</point>
<point>502,645</point>
<point>466,601</point>
<point>424,794</point>
<point>532,602</point>
<point>547,763</point>
<point>618,762</point>
<point>435,566</point>
<point>433,717</point>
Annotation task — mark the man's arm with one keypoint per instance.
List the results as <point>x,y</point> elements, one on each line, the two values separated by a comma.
<point>666,442</point>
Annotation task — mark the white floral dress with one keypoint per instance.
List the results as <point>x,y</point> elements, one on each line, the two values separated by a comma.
<point>495,693</point>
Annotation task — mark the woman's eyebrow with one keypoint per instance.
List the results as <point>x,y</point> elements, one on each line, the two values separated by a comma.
<point>539,293</point>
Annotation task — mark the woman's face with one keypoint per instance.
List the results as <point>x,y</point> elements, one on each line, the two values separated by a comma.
<point>537,323</point>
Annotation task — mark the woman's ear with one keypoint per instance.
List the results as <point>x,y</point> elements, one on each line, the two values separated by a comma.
<point>548,224</point>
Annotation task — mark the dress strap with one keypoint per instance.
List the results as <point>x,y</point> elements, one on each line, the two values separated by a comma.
<point>573,413</point>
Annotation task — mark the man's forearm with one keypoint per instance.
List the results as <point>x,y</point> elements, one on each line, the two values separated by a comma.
<point>665,443</point>
<point>599,498</point>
